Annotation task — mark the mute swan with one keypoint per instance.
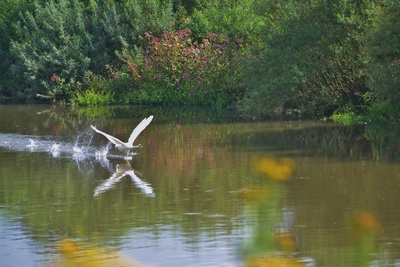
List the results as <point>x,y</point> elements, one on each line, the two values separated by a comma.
<point>55,148</point>
<point>126,147</point>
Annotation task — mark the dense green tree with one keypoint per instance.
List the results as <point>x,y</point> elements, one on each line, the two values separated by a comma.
<point>187,5</point>
<point>235,19</point>
<point>53,40</point>
<point>9,10</point>
<point>383,45</point>
<point>59,43</point>
<point>176,70</point>
<point>313,59</point>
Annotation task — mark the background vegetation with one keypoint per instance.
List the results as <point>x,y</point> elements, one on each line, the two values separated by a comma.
<point>268,58</point>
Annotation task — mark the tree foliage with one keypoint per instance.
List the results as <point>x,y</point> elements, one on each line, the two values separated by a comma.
<point>73,38</point>
<point>179,70</point>
<point>9,10</point>
<point>313,60</point>
<point>235,19</point>
<point>53,40</point>
<point>311,57</point>
<point>383,45</point>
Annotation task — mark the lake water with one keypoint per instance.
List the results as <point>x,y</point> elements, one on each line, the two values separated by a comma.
<point>207,188</point>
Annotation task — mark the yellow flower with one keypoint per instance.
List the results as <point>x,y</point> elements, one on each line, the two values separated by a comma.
<point>365,223</point>
<point>255,193</point>
<point>286,241</point>
<point>78,255</point>
<point>69,247</point>
<point>276,169</point>
<point>272,261</point>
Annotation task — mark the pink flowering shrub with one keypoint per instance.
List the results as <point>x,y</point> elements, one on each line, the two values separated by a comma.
<point>176,69</point>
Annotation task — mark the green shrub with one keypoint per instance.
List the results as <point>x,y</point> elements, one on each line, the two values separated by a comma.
<point>140,16</point>
<point>238,19</point>
<point>53,41</point>
<point>175,69</point>
<point>91,97</point>
<point>71,38</point>
<point>313,60</point>
<point>384,60</point>
<point>9,10</point>
<point>96,92</point>
<point>349,118</point>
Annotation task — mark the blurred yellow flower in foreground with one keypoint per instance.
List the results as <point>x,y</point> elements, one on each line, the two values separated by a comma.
<point>365,223</point>
<point>277,169</point>
<point>255,193</point>
<point>76,255</point>
<point>272,261</point>
<point>285,241</point>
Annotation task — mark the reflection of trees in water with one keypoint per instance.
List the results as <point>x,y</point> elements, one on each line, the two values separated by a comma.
<point>328,140</point>
<point>55,196</point>
<point>323,139</point>
<point>193,180</point>
<point>195,167</point>
<point>361,142</point>
<point>62,121</point>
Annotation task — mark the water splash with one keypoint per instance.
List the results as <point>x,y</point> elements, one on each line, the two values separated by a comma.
<point>82,143</point>
<point>103,152</point>
<point>32,143</point>
<point>79,149</point>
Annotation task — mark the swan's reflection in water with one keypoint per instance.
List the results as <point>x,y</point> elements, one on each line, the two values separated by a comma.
<point>123,170</point>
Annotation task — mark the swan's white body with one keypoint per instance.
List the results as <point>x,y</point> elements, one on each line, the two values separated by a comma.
<point>126,147</point>
<point>55,148</point>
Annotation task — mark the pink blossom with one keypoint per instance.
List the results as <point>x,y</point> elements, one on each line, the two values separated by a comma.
<point>115,75</point>
<point>186,75</point>
<point>54,78</point>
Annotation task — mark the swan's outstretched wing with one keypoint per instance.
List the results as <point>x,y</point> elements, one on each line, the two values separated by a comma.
<point>112,139</point>
<point>141,126</point>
